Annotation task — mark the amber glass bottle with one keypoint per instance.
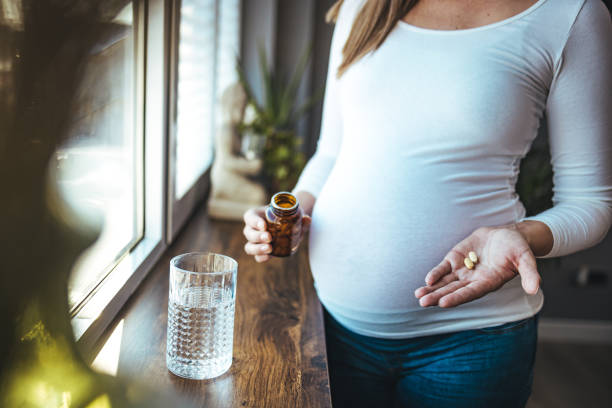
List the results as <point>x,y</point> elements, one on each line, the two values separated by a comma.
<point>284,217</point>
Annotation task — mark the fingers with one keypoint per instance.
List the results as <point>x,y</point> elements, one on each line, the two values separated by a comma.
<point>261,258</point>
<point>306,221</point>
<point>303,227</point>
<point>467,293</point>
<point>434,297</point>
<point>259,239</point>
<point>257,249</point>
<point>256,236</point>
<point>254,219</point>
<point>528,270</point>
<point>422,291</point>
<point>255,231</point>
<point>452,261</point>
<point>438,272</point>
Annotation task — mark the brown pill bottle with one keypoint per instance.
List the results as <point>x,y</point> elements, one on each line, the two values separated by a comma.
<point>284,217</point>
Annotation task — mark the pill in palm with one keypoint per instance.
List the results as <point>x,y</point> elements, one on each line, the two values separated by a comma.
<point>473,257</point>
<point>468,263</point>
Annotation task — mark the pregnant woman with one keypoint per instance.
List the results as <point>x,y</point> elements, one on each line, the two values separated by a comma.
<point>430,106</point>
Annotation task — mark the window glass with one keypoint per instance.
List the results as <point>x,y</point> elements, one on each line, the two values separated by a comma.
<point>97,170</point>
<point>195,84</point>
<point>229,44</point>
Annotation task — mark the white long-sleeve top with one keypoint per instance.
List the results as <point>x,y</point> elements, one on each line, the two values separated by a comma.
<point>421,142</point>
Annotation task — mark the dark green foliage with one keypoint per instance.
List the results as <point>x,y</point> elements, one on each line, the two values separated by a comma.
<point>276,119</point>
<point>534,185</point>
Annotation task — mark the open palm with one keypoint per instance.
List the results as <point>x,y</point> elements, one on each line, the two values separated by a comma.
<point>502,253</point>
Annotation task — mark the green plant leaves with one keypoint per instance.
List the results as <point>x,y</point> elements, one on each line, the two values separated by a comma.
<point>276,118</point>
<point>535,184</point>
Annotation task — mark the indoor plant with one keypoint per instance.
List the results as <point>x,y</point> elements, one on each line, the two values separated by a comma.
<point>274,118</point>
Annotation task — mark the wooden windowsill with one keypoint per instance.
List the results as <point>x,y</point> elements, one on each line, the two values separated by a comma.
<point>279,355</point>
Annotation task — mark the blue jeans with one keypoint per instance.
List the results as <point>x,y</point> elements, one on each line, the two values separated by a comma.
<point>491,367</point>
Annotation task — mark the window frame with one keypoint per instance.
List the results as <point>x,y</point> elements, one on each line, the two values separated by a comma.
<point>137,110</point>
<point>179,209</point>
<point>96,313</point>
<point>156,31</point>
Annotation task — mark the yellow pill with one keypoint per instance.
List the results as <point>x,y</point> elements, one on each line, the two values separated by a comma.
<point>468,263</point>
<point>473,257</point>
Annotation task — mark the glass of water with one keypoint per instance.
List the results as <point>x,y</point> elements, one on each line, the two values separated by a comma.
<point>201,315</point>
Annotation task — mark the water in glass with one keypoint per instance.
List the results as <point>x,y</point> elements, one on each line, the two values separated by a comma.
<point>200,332</point>
<point>201,301</point>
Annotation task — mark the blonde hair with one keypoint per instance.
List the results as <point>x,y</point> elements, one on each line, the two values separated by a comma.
<point>371,27</point>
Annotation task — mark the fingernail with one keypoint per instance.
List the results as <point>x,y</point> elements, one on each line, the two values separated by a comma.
<point>264,237</point>
<point>261,224</point>
<point>265,248</point>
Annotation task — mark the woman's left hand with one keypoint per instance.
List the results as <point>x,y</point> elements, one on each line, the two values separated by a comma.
<point>503,252</point>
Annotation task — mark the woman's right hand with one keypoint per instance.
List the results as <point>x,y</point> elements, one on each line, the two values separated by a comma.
<point>257,235</point>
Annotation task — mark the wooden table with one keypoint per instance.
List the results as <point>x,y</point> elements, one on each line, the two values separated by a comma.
<point>279,341</point>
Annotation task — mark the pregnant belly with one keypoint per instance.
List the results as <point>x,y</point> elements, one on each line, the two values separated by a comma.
<point>372,243</point>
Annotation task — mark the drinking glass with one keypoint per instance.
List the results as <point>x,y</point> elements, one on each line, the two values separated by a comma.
<point>201,315</point>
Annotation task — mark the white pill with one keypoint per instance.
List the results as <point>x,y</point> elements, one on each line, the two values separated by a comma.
<point>473,257</point>
<point>468,263</point>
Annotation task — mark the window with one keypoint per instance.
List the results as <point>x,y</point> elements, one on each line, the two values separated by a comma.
<point>195,83</point>
<point>229,44</point>
<point>206,44</point>
<point>141,145</point>
<point>132,179</point>
<point>97,170</point>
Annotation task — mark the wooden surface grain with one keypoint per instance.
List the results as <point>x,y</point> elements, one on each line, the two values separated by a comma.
<point>279,355</point>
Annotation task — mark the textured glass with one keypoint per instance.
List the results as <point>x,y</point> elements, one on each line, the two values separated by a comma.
<point>201,315</point>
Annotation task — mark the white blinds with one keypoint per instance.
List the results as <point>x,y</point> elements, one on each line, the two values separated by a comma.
<point>209,41</point>
<point>229,43</point>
